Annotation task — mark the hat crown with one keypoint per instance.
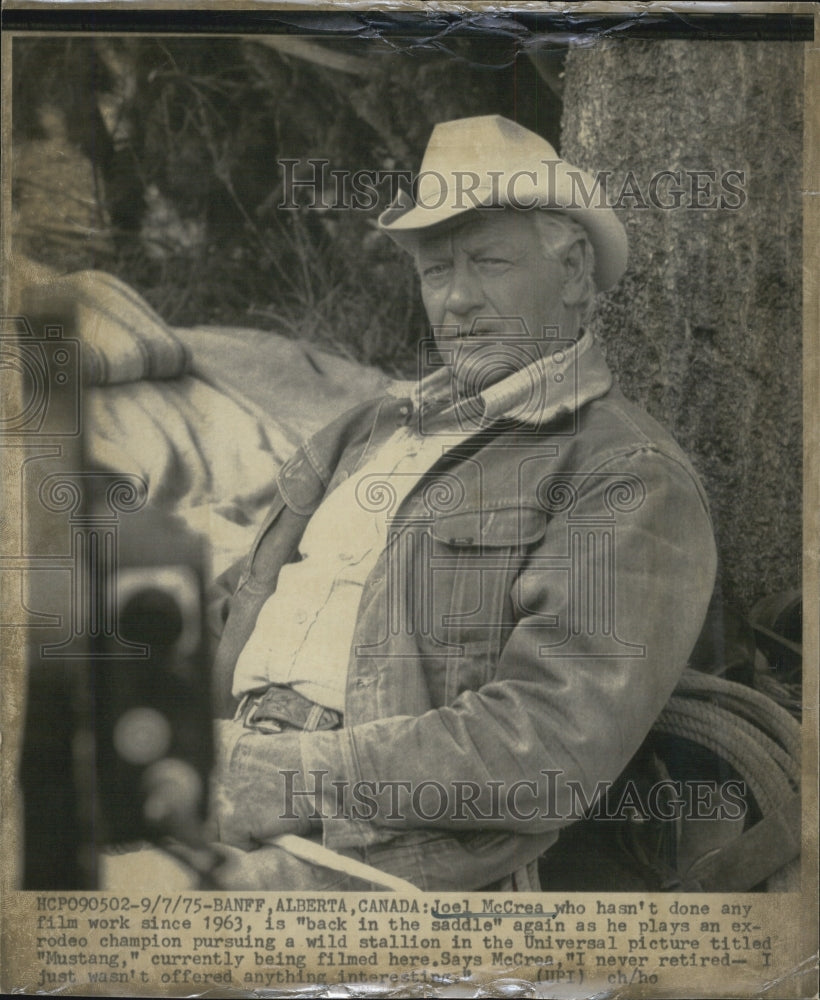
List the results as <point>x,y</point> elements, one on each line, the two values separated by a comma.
<point>484,136</point>
<point>470,160</point>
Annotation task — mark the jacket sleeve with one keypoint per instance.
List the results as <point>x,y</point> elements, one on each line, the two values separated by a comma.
<point>572,712</point>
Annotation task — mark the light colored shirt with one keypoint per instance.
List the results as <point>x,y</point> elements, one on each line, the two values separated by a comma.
<point>304,631</point>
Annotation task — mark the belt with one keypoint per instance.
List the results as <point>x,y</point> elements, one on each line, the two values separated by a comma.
<point>278,708</point>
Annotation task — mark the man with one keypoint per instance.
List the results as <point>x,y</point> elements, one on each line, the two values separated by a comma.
<point>475,594</point>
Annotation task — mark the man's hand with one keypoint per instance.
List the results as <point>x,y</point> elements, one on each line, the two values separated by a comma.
<point>252,799</point>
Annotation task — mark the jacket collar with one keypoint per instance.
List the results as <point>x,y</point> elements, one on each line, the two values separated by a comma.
<point>556,384</point>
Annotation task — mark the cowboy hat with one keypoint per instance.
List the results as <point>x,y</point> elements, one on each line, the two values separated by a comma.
<point>492,162</point>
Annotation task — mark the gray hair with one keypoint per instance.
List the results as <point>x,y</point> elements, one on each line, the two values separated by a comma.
<point>556,234</point>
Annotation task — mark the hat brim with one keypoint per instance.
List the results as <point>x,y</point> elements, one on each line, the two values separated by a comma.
<point>404,221</point>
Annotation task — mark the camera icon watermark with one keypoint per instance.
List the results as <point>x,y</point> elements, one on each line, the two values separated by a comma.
<point>497,376</point>
<point>43,369</point>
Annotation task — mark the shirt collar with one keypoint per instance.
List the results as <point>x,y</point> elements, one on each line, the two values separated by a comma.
<point>556,383</point>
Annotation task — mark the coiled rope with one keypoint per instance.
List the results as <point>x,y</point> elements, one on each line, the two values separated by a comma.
<point>758,738</point>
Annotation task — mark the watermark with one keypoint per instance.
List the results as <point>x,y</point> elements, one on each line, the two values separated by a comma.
<point>41,428</point>
<point>550,796</point>
<point>534,376</point>
<point>313,184</point>
<point>45,400</point>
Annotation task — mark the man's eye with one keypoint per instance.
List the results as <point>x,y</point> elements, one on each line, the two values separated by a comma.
<point>493,264</point>
<point>435,271</point>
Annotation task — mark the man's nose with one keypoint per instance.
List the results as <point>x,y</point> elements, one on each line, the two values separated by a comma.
<point>465,294</point>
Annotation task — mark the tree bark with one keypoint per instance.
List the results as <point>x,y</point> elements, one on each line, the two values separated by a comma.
<point>705,329</point>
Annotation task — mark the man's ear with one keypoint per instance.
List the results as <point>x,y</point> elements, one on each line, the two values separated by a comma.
<point>575,264</point>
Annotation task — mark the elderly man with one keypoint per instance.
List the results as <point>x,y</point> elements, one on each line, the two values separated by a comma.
<point>477,593</point>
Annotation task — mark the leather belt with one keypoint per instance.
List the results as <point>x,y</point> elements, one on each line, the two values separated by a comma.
<point>278,708</point>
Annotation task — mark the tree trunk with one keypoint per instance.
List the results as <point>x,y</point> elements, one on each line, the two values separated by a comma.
<point>705,329</point>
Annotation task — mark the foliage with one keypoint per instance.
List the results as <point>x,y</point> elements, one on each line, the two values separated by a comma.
<point>185,139</point>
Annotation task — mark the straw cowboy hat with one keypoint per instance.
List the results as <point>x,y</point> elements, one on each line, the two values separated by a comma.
<point>491,162</point>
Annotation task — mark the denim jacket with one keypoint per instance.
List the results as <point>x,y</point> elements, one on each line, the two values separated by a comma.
<point>529,618</point>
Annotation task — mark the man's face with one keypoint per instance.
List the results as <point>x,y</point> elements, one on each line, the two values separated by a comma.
<point>485,275</point>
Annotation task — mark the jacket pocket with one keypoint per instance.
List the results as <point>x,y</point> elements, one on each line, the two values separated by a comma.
<point>476,556</point>
<point>509,527</point>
